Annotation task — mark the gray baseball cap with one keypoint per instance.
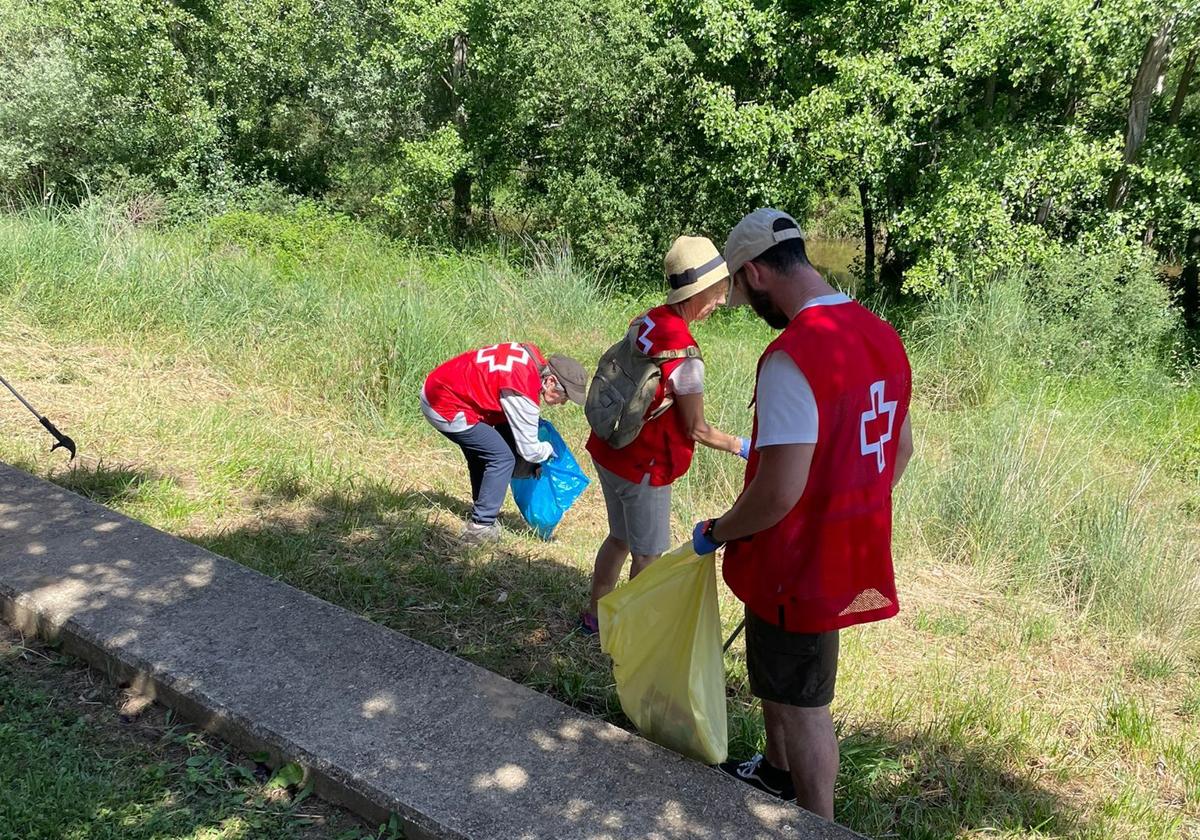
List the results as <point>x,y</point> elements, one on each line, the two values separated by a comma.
<point>571,376</point>
<point>755,234</point>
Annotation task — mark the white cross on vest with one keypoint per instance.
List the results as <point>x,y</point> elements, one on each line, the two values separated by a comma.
<point>869,442</point>
<point>502,357</point>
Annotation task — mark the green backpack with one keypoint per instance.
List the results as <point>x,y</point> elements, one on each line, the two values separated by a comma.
<point>624,387</point>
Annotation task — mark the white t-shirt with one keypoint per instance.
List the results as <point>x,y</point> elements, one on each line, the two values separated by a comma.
<point>687,377</point>
<point>786,407</point>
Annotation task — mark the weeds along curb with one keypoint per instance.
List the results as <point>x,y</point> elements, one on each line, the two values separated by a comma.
<point>140,676</point>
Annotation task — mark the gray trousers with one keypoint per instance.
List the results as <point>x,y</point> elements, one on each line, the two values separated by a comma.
<point>492,462</point>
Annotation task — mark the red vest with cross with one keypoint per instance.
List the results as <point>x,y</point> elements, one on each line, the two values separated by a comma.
<point>663,448</point>
<point>828,563</point>
<point>471,384</point>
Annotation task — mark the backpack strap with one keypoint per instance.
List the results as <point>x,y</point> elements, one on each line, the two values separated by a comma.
<point>692,352</point>
<point>667,402</point>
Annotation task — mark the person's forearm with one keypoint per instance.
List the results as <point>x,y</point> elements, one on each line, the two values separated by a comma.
<point>716,439</point>
<point>522,415</point>
<point>757,509</point>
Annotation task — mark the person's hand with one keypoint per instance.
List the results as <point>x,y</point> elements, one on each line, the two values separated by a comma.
<point>702,539</point>
<point>744,452</point>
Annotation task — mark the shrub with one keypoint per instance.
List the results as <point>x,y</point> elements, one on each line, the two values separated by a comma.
<point>289,238</point>
<point>1100,309</point>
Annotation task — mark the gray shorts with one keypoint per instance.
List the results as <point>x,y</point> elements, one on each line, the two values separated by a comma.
<point>638,514</point>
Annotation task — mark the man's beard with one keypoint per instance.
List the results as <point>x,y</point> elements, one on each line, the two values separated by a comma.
<point>766,309</point>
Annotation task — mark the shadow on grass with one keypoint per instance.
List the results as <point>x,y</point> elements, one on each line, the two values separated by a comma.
<point>394,556</point>
<point>928,788</point>
<point>107,484</point>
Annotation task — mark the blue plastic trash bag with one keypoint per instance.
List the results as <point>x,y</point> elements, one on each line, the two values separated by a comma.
<point>543,501</point>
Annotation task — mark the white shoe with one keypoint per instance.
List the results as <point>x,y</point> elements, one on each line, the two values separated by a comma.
<point>476,534</point>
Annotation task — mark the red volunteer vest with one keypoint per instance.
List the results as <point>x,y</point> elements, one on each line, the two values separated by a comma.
<point>828,563</point>
<point>471,383</point>
<point>662,448</point>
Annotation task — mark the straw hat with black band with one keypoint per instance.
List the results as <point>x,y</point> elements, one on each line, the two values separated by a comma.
<point>692,265</point>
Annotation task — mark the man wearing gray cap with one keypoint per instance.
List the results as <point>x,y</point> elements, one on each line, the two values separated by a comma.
<point>487,401</point>
<point>808,541</point>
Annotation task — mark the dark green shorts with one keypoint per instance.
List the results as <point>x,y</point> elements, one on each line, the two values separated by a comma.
<point>795,669</point>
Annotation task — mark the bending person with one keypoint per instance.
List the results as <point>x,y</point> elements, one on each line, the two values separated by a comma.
<point>488,402</point>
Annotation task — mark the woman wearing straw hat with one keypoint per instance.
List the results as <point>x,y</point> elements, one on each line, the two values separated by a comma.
<point>636,479</point>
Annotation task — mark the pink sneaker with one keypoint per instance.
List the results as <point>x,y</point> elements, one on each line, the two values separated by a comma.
<point>589,624</point>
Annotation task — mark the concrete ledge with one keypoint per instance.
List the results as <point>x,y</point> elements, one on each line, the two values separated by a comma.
<point>382,723</point>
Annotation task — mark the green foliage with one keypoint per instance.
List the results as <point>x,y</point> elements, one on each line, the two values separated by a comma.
<point>44,110</point>
<point>291,238</point>
<point>412,193</point>
<point>984,136</point>
<point>1098,309</point>
<point>837,216</point>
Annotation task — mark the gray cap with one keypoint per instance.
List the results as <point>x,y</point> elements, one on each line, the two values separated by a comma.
<point>755,234</point>
<point>571,376</point>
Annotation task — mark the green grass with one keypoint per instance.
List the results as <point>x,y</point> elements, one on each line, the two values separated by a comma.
<point>80,763</point>
<point>1130,722</point>
<point>258,397</point>
<point>1190,706</point>
<point>942,624</point>
<point>1153,665</point>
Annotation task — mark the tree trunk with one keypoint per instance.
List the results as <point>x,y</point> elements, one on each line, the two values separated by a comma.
<point>1189,298</point>
<point>462,178</point>
<point>1043,212</point>
<point>1181,92</point>
<point>1146,84</point>
<point>989,93</point>
<point>868,236</point>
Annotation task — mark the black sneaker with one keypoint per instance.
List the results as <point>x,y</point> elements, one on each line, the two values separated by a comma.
<point>759,773</point>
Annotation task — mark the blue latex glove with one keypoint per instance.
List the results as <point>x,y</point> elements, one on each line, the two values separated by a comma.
<point>702,543</point>
<point>744,453</point>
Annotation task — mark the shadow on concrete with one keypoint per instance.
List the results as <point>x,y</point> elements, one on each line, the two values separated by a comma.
<point>394,556</point>
<point>48,541</point>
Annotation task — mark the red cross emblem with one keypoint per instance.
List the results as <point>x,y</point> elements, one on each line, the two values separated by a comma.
<point>873,430</point>
<point>502,357</point>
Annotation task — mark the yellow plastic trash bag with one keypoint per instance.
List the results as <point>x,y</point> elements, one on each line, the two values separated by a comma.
<point>663,632</point>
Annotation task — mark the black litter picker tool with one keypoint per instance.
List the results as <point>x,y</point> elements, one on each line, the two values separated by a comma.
<point>63,441</point>
<point>733,635</point>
